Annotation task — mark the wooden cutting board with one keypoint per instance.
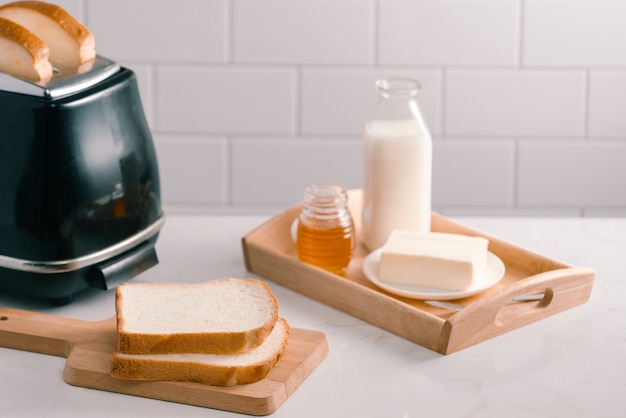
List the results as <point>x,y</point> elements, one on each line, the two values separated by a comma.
<point>88,347</point>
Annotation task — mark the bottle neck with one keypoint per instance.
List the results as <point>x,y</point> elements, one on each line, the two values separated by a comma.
<point>398,99</point>
<point>397,112</point>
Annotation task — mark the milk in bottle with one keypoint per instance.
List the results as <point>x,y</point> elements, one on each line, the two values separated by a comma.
<point>398,165</point>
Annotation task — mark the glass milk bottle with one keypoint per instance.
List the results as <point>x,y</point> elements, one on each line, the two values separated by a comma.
<point>398,164</point>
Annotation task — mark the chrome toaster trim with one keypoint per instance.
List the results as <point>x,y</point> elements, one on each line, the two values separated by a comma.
<point>62,266</point>
<point>65,80</point>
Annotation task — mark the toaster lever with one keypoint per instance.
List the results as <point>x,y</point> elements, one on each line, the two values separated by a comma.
<point>125,266</point>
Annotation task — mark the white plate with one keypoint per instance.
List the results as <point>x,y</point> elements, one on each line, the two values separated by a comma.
<point>494,273</point>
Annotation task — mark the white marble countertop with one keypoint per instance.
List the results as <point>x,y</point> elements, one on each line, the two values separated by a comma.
<point>572,364</point>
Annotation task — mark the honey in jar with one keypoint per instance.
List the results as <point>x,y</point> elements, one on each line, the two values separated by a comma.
<point>325,236</point>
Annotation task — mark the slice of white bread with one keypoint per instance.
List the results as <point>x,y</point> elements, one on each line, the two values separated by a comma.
<point>211,369</point>
<point>70,43</point>
<point>22,53</point>
<point>221,316</point>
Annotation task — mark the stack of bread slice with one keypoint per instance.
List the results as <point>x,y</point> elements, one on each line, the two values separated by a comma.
<point>222,333</point>
<point>36,37</point>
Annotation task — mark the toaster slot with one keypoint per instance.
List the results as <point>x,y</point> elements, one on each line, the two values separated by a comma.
<point>125,266</point>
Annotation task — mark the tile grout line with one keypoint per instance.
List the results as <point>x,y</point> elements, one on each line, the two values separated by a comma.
<point>228,170</point>
<point>586,104</point>
<point>296,127</point>
<point>516,165</point>
<point>84,9</point>
<point>520,32</point>
<point>516,140</point>
<point>375,33</point>
<point>154,96</point>
<point>229,19</point>
<point>443,88</point>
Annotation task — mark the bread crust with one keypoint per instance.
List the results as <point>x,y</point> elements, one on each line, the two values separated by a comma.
<point>80,33</point>
<point>205,343</point>
<point>33,45</point>
<point>136,368</point>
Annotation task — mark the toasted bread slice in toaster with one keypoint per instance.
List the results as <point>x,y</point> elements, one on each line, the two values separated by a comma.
<point>70,43</point>
<point>22,53</point>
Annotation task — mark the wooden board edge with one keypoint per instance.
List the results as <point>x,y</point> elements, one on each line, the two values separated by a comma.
<point>258,399</point>
<point>310,363</point>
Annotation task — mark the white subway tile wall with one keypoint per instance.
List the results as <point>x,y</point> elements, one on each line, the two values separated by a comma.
<point>448,33</point>
<point>483,174</point>
<point>607,103</point>
<point>270,170</point>
<point>227,100</point>
<point>251,100</point>
<point>516,103</point>
<point>337,101</point>
<point>192,157</point>
<point>302,32</point>
<point>581,33</point>
<point>589,174</point>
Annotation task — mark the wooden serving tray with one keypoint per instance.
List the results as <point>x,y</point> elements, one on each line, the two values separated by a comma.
<point>88,347</point>
<point>269,251</point>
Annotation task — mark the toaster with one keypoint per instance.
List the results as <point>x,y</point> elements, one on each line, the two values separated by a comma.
<point>79,182</point>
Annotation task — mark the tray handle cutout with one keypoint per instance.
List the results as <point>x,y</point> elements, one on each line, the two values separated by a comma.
<point>523,305</point>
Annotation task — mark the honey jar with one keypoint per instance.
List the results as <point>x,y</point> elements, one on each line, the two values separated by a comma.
<point>325,235</point>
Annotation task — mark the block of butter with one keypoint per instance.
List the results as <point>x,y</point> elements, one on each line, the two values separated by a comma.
<point>436,259</point>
